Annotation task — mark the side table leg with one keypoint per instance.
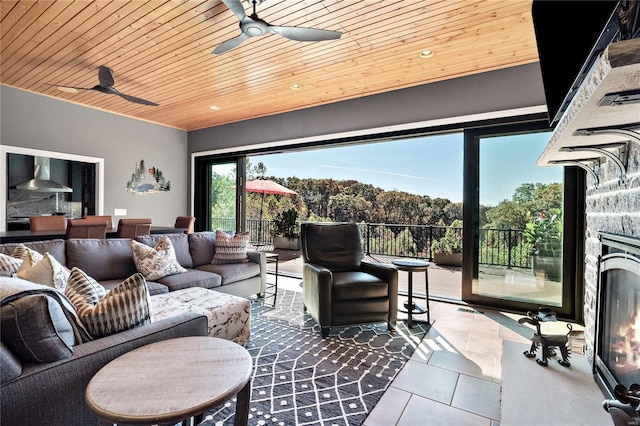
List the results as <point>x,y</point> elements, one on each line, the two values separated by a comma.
<point>410,302</point>
<point>241,417</point>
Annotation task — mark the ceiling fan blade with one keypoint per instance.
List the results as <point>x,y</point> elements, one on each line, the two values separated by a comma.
<point>105,75</point>
<point>131,98</point>
<point>305,34</point>
<point>230,44</point>
<point>236,7</point>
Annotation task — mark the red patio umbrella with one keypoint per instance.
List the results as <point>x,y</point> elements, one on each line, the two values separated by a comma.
<point>266,186</point>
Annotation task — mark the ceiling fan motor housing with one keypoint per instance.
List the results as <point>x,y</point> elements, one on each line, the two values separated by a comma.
<point>254,27</point>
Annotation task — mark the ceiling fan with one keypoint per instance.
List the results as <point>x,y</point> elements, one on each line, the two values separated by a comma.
<point>252,26</point>
<point>105,75</point>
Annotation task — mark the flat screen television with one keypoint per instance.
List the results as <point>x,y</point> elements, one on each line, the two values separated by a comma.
<point>570,37</point>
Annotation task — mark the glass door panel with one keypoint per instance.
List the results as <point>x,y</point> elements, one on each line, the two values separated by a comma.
<point>223,196</point>
<point>517,259</point>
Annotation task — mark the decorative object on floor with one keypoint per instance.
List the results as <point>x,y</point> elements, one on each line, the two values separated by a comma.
<point>547,341</point>
<point>105,76</point>
<point>137,183</point>
<point>301,378</point>
<point>252,26</point>
<point>625,408</point>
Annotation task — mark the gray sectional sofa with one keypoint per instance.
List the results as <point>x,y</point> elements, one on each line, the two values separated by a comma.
<point>52,393</point>
<point>109,261</point>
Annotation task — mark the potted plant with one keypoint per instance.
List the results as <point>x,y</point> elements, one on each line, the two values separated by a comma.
<point>544,236</point>
<point>285,230</point>
<point>448,249</point>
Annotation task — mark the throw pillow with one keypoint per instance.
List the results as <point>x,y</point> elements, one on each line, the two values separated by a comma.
<point>35,329</point>
<point>9,263</point>
<point>156,262</point>
<point>230,249</point>
<point>82,289</point>
<point>47,271</point>
<point>123,308</point>
<point>21,252</point>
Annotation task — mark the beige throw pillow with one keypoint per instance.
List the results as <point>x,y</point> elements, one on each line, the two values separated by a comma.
<point>230,249</point>
<point>156,262</point>
<point>47,271</point>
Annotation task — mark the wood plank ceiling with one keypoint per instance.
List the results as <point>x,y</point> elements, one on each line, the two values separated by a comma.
<point>161,51</point>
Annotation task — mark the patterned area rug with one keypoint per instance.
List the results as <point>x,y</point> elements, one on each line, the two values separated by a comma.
<point>302,379</point>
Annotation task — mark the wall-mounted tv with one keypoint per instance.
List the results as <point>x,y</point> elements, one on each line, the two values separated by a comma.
<point>570,37</point>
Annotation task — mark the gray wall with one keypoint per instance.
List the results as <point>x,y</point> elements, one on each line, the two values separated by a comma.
<point>516,87</point>
<point>34,121</point>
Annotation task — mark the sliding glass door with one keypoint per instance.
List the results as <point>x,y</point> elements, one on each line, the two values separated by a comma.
<point>515,223</point>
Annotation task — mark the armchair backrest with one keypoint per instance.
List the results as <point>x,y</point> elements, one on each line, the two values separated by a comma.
<point>336,246</point>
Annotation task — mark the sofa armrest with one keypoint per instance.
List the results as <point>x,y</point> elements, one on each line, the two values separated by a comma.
<point>260,258</point>
<point>57,388</point>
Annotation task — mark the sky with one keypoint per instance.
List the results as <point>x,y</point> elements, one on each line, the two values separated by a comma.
<point>429,165</point>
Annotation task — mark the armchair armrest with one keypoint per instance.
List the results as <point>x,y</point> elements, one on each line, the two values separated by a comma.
<point>317,282</point>
<point>386,273</point>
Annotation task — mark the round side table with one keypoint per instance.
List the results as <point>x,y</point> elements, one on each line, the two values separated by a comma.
<point>411,266</point>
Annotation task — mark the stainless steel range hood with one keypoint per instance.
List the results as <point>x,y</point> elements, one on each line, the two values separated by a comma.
<point>41,181</point>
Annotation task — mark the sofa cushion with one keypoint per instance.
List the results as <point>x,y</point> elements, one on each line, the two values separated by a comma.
<point>202,247</point>
<point>230,249</point>
<point>180,244</point>
<point>233,272</point>
<point>56,248</point>
<point>123,308</point>
<point>101,259</point>
<point>156,262</point>
<point>10,366</point>
<point>35,328</point>
<point>191,278</point>
<point>9,263</point>
<point>154,287</point>
<point>46,271</point>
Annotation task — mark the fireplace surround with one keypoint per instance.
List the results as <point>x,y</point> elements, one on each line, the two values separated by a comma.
<point>617,343</point>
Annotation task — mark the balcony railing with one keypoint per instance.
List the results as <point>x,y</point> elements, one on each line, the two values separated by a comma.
<point>497,247</point>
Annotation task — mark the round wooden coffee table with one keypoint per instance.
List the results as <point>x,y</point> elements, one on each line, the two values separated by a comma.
<point>172,380</point>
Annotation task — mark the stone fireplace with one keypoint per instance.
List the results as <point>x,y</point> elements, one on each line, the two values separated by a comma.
<point>612,210</point>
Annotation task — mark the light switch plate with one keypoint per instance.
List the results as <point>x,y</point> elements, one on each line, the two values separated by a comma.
<point>119,212</point>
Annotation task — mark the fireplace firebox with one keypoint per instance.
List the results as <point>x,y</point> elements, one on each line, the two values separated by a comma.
<point>617,346</point>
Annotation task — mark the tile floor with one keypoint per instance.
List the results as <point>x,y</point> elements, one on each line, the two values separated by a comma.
<point>461,357</point>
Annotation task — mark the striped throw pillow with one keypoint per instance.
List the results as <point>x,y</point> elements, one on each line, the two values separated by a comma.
<point>230,249</point>
<point>123,308</point>
<point>83,289</point>
<point>9,263</point>
<point>21,252</point>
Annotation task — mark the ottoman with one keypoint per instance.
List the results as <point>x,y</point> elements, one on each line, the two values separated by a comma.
<point>229,316</point>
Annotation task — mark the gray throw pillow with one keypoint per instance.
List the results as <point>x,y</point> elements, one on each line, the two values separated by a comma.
<point>36,330</point>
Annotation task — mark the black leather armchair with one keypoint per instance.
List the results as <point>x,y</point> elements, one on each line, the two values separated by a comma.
<point>338,286</point>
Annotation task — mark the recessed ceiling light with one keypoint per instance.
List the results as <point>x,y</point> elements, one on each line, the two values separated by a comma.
<point>295,87</point>
<point>215,107</point>
<point>67,89</point>
<point>425,54</point>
